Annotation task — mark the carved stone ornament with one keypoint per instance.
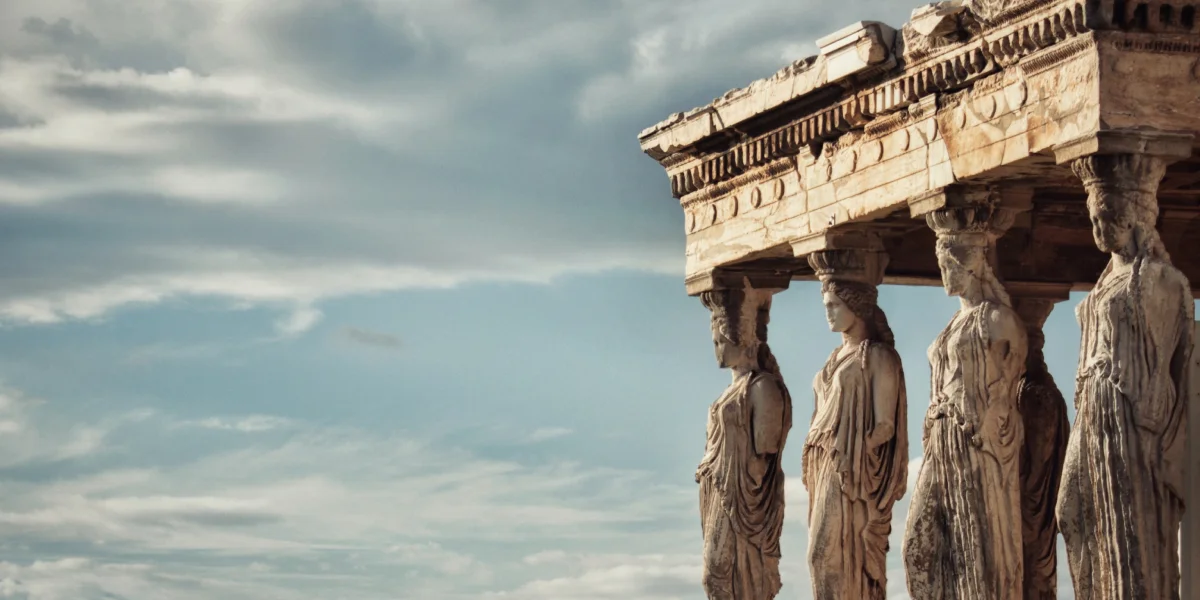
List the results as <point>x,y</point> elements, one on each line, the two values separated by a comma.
<point>1121,499</point>
<point>856,452</point>
<point>987,10</point>
<point>936,25</point>
<point>963,536</point>
<point>741,477</point>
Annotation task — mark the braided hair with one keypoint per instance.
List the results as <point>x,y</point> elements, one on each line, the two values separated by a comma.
<point>863,300</point>
<point>735,318</point>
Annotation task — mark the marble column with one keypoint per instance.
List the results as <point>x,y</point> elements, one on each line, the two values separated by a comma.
<point>1122,493</point>
<point>1047,428</point>
<point>963,536</point>
<point>741,477</point>
<point>1191,519</point>
<point>856,451</point>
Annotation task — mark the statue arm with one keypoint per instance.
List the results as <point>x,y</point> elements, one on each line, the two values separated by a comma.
<point>1181,358</point>
<point>885,394</point>
<point>767,413</point>
<point>1009,339</point>
<point>1180,369</point>
<point>998,426</point>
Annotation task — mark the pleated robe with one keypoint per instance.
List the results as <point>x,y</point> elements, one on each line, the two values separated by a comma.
<point>1121,499</point>
<point>852,487</point>
<point>963,537</point>
<point>741,500</point>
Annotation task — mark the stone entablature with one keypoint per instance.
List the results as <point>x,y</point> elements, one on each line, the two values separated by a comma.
<point>765,173</point>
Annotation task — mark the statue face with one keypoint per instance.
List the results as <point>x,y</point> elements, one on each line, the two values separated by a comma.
<point>1111,228</point>
<point>959,267</point>
<point>839,315</point>
<point>727,352</point>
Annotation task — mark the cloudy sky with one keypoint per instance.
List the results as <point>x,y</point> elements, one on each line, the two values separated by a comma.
<point>374,299</point>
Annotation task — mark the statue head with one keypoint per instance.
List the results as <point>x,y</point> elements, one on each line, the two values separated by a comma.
<point>962,264</point>
<point>739,323</point>
<point>966,237</point>
<point>849,290</point>
<point>841,316</point>
<point>1122,209</point>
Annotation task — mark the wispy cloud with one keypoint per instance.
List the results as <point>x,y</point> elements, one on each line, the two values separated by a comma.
<point>606,577</point>
<point>24,441</point>
<point>351,504</point>
<point>545,557</point>
<point>299,321</point>
<point>250,424</point>
<point>216,149</point>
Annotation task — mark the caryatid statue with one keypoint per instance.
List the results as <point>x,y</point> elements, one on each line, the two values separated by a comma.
<point>963,536</point>
<point>1121,498</point>
<point>1044,414</point>
<point>741,476</point>
<point>856,453</point>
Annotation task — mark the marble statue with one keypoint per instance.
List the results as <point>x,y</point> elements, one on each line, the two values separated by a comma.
<point>1044,415</point>
<point>1121,498</point>
<point>741,478</point>
<point>963,536</point>
<point>856,452</point>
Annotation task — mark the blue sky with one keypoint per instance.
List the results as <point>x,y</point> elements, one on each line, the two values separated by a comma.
<point>375,299</point>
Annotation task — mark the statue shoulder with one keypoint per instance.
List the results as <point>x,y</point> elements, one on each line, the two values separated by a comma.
<point>765,385</point>
<point>1161,279</point>
<point>1161,275</point>
<point>883,355</point>
<point>1003,322</point>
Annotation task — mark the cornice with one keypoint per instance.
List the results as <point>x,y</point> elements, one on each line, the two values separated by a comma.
<point>1031,28</point>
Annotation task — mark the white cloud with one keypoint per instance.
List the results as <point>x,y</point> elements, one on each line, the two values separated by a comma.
<point>76,578</point>
<point>371,512</point>
<point>433,556</point>
<point>301,319</point>
<point>265,279</point>
<point>745,41</point>
<point>38,91</point>
<point>632,577</point>
<point>218,185</point>
<point>23,444</point>
<point>545,557</point>
<point>296,181</point>
<point>250,424</point>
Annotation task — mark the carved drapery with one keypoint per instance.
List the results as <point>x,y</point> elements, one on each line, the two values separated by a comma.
<point>741,477</point>
<point>856,451</point>
<point>1044,415</point>
<point>963,536</point>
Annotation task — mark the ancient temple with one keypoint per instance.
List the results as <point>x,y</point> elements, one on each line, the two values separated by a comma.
<point>1013,151</point>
